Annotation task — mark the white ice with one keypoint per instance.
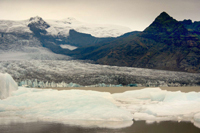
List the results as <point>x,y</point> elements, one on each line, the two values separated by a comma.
<point>66,46</point>
<point>98,30</point>
<point>84,108</point>
<point>7,85</point>
<point>102,109</point>
<point>154,104</point>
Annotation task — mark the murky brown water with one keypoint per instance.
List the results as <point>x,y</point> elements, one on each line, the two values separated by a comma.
<point>137,127</point>
<point>123,89</point>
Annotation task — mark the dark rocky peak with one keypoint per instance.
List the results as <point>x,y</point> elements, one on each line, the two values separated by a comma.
<point>39,21</point>
<point>165,24</point>
<point>189,22</point>
<point>191,26</point>
<point>196,22</point>
<point>186,21</point>
<point>38,25</point>
<point>163,17</point>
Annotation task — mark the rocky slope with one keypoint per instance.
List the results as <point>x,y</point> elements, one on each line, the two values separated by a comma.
<point>166,44</point>
<point>36,33</point>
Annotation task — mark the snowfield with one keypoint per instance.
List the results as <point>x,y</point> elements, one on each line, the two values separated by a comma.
<point>8,26</point>
<point>62,27</point>
<point>66,46</point>
<point>99,109</point>
<point>98,30</point>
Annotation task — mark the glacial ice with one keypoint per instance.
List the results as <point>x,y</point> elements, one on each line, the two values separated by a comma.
<point>7,85</point>
<point>102,109</point>
<point>154,104</point>
<point>67,106</point>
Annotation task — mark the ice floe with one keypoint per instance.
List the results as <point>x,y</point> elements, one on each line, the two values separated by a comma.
<point>154,104</point>
<point>93,108</point>
<point>69,107</point>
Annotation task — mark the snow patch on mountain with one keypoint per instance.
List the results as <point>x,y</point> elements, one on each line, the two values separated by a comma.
<point>70,47</point>
<point>62,27</point>
<point>7,26</point>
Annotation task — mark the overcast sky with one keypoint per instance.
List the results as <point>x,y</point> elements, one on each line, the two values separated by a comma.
<point>136,14</point>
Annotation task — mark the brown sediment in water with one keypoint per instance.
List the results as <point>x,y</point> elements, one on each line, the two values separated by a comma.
<point>123,89</point>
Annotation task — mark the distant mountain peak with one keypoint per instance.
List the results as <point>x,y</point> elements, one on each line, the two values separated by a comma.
<point>165,24</point>
<point>163,17</point>
<point>39,21</point>
<point>37,24</point>
<point>35,19</point>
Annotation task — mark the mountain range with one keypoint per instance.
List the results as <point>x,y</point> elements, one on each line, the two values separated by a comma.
<point>38,39</point>
<point>165,44</point>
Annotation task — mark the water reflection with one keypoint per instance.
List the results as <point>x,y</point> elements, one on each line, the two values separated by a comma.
<point>137,127</point>
<point>83,123</point>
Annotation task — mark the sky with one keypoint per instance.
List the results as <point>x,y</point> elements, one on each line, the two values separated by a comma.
<point>135,14</point>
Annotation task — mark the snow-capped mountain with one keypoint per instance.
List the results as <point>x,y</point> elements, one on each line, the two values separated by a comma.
<point>18,36</point>
<point>62,27</point>
<point>35,49</point>
<point>39,22</point>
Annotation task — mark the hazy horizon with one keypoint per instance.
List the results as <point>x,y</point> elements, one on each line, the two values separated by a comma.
<point>135,14</point>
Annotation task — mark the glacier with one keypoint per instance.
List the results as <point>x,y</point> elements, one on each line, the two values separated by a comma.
<point>85,73</point>
<point>7,85</point>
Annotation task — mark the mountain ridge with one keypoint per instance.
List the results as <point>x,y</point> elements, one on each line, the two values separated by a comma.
<point>166,44</point>
<point>36,32</point>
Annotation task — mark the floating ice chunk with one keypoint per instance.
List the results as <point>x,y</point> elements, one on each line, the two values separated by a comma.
<point>197,120</point>
<point>67,106</point>
<point>197,117</point>
<point>154,104</point>
<point>158,95</point>
<point>7,85</point>
<point>91,108</point>
<point>143,94</point>
<point>181,96</point>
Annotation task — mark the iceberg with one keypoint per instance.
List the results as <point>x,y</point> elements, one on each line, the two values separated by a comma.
<point>77,107</point>
<point>154,104</point>
<point>92,108</point>
<point>7,85</point>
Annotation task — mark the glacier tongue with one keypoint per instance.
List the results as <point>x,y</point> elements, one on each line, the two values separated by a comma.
<point>7,85</point>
